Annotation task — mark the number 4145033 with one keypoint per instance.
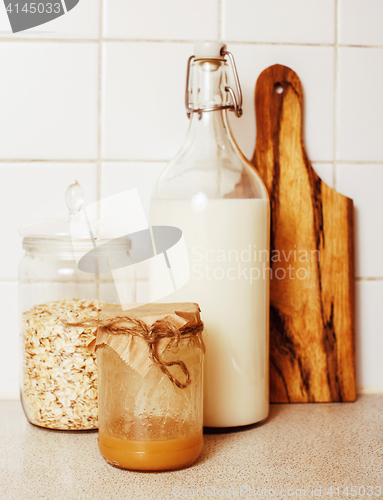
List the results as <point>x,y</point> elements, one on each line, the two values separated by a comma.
<point>353,491</point>
<point>33,7</point>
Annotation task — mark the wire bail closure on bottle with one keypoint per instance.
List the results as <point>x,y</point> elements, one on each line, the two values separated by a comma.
<point>237,101</point>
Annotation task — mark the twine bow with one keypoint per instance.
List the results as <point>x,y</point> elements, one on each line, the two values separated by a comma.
<point>152,335</point>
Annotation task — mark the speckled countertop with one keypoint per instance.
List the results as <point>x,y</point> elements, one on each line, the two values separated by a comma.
<point>299,447</point>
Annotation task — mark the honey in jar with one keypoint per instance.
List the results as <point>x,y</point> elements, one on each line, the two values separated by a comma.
<point>150,386</point>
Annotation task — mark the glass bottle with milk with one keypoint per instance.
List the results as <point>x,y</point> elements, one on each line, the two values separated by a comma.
<point>212,193</point>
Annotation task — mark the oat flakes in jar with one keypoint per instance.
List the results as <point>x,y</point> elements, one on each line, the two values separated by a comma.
<point>58,370</point>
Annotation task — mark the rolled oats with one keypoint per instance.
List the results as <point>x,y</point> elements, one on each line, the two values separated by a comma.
<point>59,371</point>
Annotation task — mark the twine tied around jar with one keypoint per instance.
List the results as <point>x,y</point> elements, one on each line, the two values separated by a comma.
<point>141,345</point>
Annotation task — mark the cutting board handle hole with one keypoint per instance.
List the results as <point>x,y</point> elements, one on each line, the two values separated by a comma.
<point>278,88</point>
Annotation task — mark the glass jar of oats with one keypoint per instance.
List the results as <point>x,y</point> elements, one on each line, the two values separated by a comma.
<point>58,369</point>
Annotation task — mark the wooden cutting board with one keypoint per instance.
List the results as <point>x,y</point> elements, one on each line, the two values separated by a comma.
<point>311,302</point>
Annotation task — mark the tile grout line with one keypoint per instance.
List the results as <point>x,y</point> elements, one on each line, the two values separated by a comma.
<point>49,40</point>
<point>352,46</point>
<point>44,160</point>
<point>86,161</point>
<point>137,160</point>
<point>220,17</point>
<point>155,160</point>
<point>335,117</point>
<point>164,40</point>
<point>356,279</point>
<point>99,101</point>
<point>231,42</point>
<point>322,162</point>
<point>170,40</point>
<point>376,278</point>
<point>359,162</point>
<point>370,390</point>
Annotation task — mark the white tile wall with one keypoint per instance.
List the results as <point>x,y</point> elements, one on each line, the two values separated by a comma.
<point>360,22</point>
<point>9,339</point>
<point>360,99</point>
<point>293,21</point>
<point>315,67</point>
<point>48,100</point>
<point>113,125</point>
<point>33,191</point>
<point>369,338</point>
<point>364,184</point>
<point>325,172</point>
<point>121,176</point>
<point>161,19</point>
<point>143,109</point>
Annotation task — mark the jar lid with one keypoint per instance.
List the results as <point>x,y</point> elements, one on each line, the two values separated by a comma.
<point>58,228</point>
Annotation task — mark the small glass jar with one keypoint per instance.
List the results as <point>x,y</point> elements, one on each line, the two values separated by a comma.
<point>58,371</point>
<point>151,422</point>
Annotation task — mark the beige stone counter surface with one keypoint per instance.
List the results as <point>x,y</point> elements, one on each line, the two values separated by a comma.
<point>299,447</point>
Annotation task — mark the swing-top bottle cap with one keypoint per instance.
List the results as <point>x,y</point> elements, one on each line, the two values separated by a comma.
<point>208,50</point>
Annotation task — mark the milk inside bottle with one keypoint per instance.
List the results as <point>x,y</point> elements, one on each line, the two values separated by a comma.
<point>217,199</point>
